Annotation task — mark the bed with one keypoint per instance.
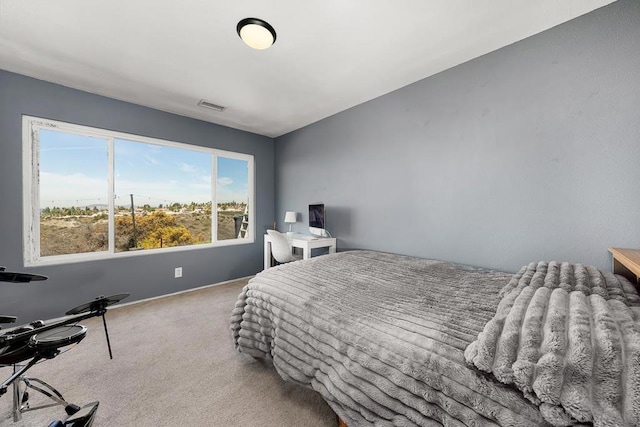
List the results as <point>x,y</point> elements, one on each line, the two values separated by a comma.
<point>391,340</point>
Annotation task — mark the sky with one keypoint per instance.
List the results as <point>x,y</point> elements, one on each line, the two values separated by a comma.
<point>74,172</point>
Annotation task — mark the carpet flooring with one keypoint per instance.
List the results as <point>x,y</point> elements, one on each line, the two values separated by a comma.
<point>174,365</point>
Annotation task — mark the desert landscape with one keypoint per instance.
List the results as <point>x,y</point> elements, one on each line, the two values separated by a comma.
<point>81,230</point>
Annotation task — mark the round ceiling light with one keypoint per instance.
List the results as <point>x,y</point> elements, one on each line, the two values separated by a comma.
<point>256,33</point>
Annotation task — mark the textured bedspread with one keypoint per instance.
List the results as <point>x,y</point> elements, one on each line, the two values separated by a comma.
<point>568,336</point>
<point>381,337</point>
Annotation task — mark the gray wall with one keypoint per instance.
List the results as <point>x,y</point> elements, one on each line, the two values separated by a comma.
<point>531,152</point>
<point>143,276</point>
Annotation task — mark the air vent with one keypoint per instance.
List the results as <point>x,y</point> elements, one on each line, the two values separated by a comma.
<point>211,106</point>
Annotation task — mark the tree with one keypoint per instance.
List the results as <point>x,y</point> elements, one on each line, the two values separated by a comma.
<point>167,236</point>
<point>154,231</point>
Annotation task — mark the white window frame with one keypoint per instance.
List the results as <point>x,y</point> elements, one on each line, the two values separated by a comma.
<point>31,192</point>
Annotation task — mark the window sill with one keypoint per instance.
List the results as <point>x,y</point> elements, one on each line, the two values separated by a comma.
<point>100,256</point>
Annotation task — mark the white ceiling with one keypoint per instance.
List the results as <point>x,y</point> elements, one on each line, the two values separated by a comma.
<point>329,56</point>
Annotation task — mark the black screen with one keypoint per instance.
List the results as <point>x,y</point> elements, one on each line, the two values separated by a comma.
<point>316,215</point>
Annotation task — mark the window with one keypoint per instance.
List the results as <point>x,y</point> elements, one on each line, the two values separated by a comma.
<point>91,193</point>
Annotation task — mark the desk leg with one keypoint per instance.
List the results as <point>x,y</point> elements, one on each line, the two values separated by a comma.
<point>332,249</point>
<point>306,251</point>
<point>267,254</point>
<point>619,268</point>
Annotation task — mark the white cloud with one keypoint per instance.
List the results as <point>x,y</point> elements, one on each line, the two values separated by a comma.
<point>225,181</point>
<point>201,186</point>
<point>187,168</point>
<point>71,190</point>
<point>228,196</point>
<point>150,160</point>
<point>80,190</point>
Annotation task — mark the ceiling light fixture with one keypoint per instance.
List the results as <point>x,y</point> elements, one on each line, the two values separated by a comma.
<point>256,33</point>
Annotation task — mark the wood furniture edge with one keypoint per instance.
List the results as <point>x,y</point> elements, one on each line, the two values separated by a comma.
<point>620,255</point>
<point>626,266</point>
<point>341,423</point>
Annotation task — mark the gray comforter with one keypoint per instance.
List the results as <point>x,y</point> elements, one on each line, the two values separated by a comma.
<point>381,337</point>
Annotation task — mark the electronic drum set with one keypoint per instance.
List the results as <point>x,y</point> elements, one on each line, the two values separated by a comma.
<point>25,345</point>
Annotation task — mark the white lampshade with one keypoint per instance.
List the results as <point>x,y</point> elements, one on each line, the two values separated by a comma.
<point>290,217</point>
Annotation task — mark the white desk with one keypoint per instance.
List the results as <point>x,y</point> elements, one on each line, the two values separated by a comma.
<point>297,241</point>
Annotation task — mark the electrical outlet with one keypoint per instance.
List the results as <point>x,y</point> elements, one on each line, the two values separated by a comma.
<point>178,272</point>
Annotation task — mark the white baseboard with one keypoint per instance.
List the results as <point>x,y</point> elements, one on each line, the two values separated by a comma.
<point>177,293</point>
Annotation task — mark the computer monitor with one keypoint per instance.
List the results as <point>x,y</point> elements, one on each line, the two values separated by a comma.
<point>317,219</point>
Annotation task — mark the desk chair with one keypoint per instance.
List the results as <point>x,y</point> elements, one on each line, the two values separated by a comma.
<point>281,248</point>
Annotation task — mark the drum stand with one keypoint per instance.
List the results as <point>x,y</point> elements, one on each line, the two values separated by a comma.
<point>21,396</point>
<point>18,344</point>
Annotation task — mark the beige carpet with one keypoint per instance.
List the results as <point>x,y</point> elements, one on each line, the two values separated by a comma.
<point>174,365</point>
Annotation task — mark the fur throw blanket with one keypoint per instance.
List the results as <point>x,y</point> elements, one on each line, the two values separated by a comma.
<point>568,337</point>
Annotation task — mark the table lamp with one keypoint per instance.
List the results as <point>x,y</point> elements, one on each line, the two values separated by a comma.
<point>290,218</point>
